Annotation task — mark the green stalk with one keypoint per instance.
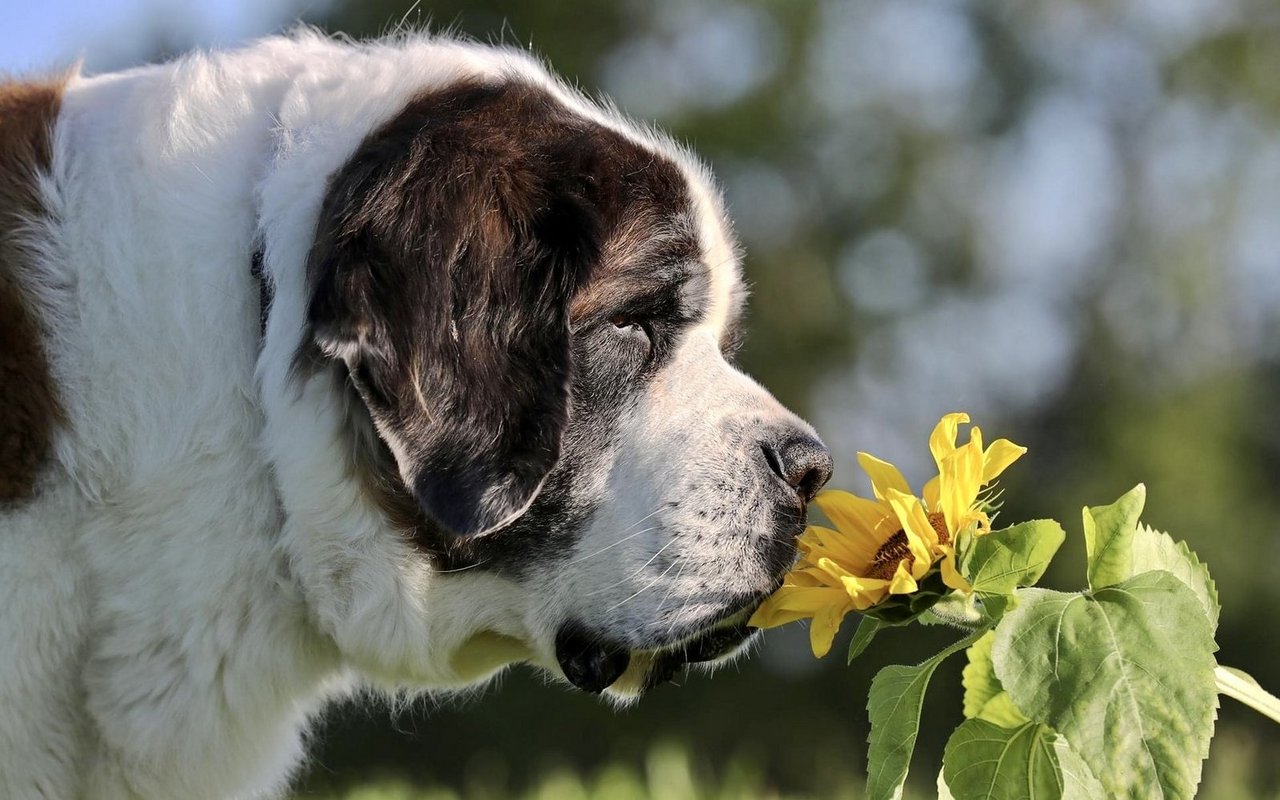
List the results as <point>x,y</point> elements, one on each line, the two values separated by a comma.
<point>1241,686</point>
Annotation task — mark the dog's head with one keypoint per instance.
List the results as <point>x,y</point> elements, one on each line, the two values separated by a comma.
<point>534,308</point>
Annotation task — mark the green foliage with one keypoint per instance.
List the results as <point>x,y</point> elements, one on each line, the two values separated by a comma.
<point>984,697</point>
<point>984,760</point>
<point>867,630</point>
<point>1109,692</point>
<point>1108,538</point>
<point>1125,673</point>
<point>894,703</point>
<point>1153,549</point>
<point>1001,561</point>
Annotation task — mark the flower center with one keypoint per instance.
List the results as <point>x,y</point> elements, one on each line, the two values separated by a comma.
<point>939,523</point>
<point>894,551</point>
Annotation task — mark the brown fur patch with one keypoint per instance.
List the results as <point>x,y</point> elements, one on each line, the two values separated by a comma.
<point>447,257</point>
<point>29,407</point>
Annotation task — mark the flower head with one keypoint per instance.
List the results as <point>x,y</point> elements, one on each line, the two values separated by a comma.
<point>885,546</point>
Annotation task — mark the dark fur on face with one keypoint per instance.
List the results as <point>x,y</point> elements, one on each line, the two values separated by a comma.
<point>30,410</point>
<point>463,259</point>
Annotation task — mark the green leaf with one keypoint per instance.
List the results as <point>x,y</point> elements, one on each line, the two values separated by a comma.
<point>867,630</point>
<point>944,791</point>
<point>1078,782</point>
<point>1022,776</point>
<point>1000,561</point>
<point>984,761</point>
<point>1124,673</point>
<point>893,704</point>
<point>1154,549</point>
<point>996,606</point>
<point>984,697</point>
<point>1108,537</point>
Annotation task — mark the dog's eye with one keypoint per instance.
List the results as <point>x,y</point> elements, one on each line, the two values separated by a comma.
<point>626,322</point>
<point>631,326</point>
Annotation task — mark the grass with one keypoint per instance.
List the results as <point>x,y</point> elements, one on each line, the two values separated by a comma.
<point>669,772</point>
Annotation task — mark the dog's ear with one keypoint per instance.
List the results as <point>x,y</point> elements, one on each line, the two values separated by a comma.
<point>447,253</point>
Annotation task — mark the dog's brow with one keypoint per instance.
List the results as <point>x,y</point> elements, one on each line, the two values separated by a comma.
<point>660,271</point>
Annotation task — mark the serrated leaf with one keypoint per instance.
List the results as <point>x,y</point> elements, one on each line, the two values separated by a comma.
<point>1124,673</point>
<point>944,791</point>
<point>893,705</point>
<point>1078,782</point>
<point>984,697</point>
<point>1154,549</point>
<point>867,630</point>
<point>984,761</point>
<point>1108,537</point>
<point>999,562</point>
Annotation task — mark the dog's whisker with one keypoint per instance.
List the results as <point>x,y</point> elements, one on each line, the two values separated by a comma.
<point>645,517</point>
<point>625,538</point>
<point>641,569</point>
<point>646,587</point>
<point>462,569</point>
<point>612,545</point>
<point>670,590</point>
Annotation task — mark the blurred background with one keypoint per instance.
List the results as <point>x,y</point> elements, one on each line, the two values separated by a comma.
<point>1061,217</point>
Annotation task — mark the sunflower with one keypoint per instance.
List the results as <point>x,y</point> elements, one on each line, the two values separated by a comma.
<point>887,545</point>
<point>954,499</point>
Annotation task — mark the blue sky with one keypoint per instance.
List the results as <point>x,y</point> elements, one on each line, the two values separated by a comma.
<point>39,35</point>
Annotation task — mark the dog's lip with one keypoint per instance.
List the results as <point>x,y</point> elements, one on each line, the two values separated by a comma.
<point>594,664</point>
<point>708,646</point>
<point>589,662</point>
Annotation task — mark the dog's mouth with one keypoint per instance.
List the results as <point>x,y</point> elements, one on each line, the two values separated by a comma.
<point>594,663</point>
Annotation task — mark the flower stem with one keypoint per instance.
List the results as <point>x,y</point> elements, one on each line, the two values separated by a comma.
<point>1241,686</point>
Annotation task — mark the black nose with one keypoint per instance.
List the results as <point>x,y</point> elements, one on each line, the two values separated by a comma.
<point>800,461</point>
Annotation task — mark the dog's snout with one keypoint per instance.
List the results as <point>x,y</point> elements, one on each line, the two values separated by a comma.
<point>798,460</point>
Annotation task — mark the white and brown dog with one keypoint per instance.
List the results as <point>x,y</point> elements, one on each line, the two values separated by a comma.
<point>325,363</point>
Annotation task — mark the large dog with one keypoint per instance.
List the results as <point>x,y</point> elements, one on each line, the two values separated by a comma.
<point>326,363</point>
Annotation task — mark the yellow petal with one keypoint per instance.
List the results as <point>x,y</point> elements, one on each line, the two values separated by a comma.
<point>921,537</point>
<point>951,576</point>
<point>818,542</point>
<point>865,592</point>
<point>860,520</point>
<point>943,439</point>
<point>766,616</point>
<point>903,582</point>
<point>998,457</point>
<point>851,513</point>
<point>811,576</point>
<point>930,493</point>
<point>823,629</point>
<point>884,476</point>
<point>961,482</point>
<point>833,569</point>
<point>800,578</point>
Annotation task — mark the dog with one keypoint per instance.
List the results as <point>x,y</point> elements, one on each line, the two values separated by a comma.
<point>327,364</point>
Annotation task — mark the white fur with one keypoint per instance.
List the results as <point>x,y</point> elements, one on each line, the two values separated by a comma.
<point>199,571</point>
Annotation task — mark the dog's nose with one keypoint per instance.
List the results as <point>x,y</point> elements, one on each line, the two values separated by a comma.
<point>800,461</point>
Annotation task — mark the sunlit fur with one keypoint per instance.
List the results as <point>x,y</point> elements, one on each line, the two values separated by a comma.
<point>200,570</point>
